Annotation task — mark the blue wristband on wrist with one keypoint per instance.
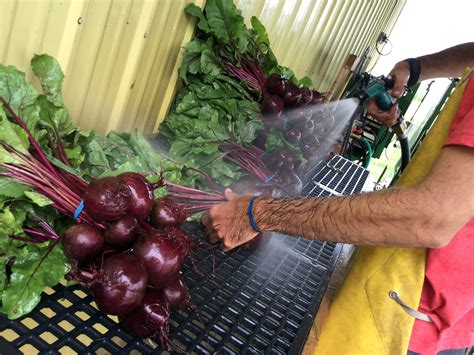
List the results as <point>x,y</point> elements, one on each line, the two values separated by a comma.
<point>249,212</point>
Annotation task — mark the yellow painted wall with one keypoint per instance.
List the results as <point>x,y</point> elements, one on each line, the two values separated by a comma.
<point>121,57</point>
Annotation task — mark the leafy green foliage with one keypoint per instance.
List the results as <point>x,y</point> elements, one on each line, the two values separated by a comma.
<point>27,268</point>
<point>213,105</point>
<point>50,75</point>
<point>34,269</point>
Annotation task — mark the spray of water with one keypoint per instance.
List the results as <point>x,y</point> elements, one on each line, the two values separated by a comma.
<point>326,122</point>
<point>278,247</point>
<point>329,122</point>
<point>334,118</point>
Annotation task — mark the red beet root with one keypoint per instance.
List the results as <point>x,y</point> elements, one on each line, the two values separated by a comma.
<point>162,256</point>
<point>177,295</point>
<point>306,96</point>
<point>141,200</point>
<point>272,105</point>
<point>150,317</point>
<point>165,214</point>
<point>275,85</point>
<point>123,232</point>
<point>124,285</point>
<point>82,242</point>
<point>107,199</point>
<point>292,95</point>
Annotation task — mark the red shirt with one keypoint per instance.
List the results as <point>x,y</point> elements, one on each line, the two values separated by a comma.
<point>448,290</point>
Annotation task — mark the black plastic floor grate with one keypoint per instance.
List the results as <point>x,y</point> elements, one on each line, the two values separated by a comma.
<point>265,300</point>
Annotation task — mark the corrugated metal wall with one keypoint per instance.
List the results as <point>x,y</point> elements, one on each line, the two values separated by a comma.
<point>314,37</point>
<point>121,57</point>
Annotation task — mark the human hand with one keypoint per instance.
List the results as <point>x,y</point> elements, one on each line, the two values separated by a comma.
<point>229,222</point>
<point>401,74</point>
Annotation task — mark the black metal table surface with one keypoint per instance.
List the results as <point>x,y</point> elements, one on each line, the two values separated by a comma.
<point>264,298</point>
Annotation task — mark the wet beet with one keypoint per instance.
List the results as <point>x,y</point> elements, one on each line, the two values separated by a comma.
<point>309,146</point>
<point>165,214</point>
<point>306,96</point>
<point>141,199</point>
<point>177,295</point>
<point>272,105</point>
<point>293,135</point>
<point>150,317</point>
<point>107,199</point>
<point>162,256</point>
<point>124,284</point>
<point>122,233</point>
<point>317,97</point>
<point>292,95</point>
<point>307,129</point>
<point>275,85</point>
<point>82,242</point>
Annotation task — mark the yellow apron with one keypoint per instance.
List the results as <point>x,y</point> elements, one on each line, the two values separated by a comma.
<point>363,319</point>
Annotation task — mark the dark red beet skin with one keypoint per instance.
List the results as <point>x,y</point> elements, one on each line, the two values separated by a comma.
<point>150,317</point>
<point>176,294</point>
<point>123,232</point>
<point>82,242</point>
<point>275,85</point>
<point>293,135</point>
<point>165,214</point>
<point>292,94</point>
<point>273,105</point>
<point>181,238</point>
<point>306,96</point>
<point>124,285</point>
<point>141,200</point>
<point>106,199</point>
<point>317,97</point>
<point>162,257</point>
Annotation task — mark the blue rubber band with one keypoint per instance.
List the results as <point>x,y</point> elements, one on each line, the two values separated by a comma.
<point>78,210</point>
<point>269,179</point>
<point>249,212</point>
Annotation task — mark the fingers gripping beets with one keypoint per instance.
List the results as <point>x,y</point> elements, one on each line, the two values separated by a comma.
<point>230,222</point>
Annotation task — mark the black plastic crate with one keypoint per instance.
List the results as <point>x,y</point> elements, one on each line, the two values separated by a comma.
<point>265,299</point>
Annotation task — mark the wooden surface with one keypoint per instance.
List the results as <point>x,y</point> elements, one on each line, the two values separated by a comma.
<point>343,264</point>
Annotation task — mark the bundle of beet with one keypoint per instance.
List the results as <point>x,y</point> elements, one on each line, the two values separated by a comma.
<point>132,267</point>
<point>234,90</point>
<point>298,113</point>
<point>70,207</point>
<point>127,248</point>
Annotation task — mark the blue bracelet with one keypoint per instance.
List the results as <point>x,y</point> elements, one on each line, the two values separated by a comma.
<point>249,212</point>
<point>79,209</point>
<point>269,179</point>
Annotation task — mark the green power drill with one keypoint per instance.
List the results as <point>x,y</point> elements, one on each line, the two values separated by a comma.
<point>378,89</point>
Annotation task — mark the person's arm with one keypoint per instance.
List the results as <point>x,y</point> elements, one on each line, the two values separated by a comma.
<point>426,215</point>
<point>448,63</point>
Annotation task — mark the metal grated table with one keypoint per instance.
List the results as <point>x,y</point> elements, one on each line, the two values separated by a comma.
<point>265,301</point>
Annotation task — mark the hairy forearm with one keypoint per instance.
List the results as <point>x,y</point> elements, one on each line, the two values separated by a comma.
<point>447,63</point>
<point>395,217</point>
